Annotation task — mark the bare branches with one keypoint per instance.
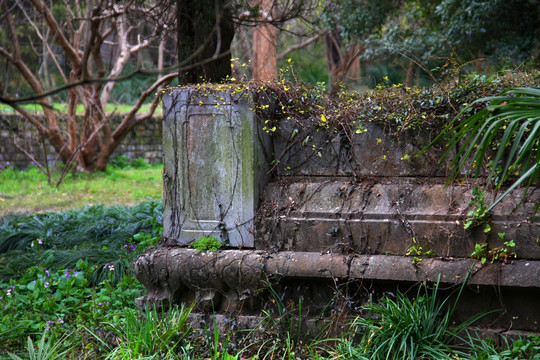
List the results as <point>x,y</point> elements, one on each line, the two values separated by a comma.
<point>81,41</point>
<point>298,46</point>
<point>59,35</point>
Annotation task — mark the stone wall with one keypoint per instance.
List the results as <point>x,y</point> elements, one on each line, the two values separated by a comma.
<point>349,213</point>
<point>145,141</point>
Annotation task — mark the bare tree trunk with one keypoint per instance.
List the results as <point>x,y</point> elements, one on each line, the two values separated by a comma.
<point>340,60</point>
<point>205,31</point>
<point>354,73</point>
<point>264,45</point>
<point>333,56</point>
<point>410,74</point>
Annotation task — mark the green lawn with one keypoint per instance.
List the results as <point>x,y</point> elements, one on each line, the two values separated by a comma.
<point>28,191</point>
<point>60,107</point>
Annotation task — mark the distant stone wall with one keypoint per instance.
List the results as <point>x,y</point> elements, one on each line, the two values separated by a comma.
<point>15,133</point>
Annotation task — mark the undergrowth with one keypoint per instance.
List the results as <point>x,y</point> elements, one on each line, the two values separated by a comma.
<point>98,234</point>
<point>66,310</point>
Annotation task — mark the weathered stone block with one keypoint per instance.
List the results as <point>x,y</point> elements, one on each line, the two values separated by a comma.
<point>214,167</point>
<point>339,211</point>
<point>371,153</point>
<point>389,218</point>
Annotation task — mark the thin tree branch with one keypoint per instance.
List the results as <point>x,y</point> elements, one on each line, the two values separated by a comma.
<point>179,67</point>
<point>45,41</point>
<point>127,124</point>
<point>60,37</point>
<point>298,46</point>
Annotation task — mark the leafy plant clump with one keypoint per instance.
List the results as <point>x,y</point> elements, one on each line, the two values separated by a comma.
<point>207,243</point>
<point>123,162</point>
<point>485,253</point>
<point>404,328</point>
<point>479,215</point>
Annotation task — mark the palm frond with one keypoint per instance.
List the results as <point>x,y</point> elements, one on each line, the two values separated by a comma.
<point>504,135</point>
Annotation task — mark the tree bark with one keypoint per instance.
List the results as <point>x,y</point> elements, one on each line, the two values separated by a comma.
<point>264,45</point>
<point>410,74</point>
<point>205,31</point>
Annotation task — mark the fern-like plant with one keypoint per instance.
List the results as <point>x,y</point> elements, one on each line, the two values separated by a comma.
<point>510,127</point>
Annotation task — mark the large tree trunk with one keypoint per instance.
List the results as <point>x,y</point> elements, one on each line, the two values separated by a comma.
<point>205,31</point>
<point>264,45</point>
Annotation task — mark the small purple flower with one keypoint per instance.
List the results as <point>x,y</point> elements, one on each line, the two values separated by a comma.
<point>47,272</point>
<point>129,247</point>
<point>67,274</point>
<point>159,220</point>
<point>39,241</point>
<point>46,285</point>
<point>49,324</point>
<point>10,290</point>
<point>111,267</point>
<point>60,321</point>
<point>100,304</point>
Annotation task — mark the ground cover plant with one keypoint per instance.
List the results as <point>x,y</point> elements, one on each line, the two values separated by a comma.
<point>66,271</point>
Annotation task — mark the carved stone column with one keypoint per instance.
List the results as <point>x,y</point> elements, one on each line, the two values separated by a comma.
<point>214,166</point>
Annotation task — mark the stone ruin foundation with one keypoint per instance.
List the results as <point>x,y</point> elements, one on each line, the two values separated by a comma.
<point>323,215</point>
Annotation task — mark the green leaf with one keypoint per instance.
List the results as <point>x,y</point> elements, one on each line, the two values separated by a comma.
<point>512,122</point>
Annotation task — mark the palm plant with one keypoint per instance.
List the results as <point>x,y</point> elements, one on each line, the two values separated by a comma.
<point>509,128</point>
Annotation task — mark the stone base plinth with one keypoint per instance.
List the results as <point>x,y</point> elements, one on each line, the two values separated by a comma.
<point>234,281</point>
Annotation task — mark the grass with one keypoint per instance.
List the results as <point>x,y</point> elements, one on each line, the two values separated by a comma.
<point>421,327</point>
<point>23,191</point>
<point>60,107</point>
